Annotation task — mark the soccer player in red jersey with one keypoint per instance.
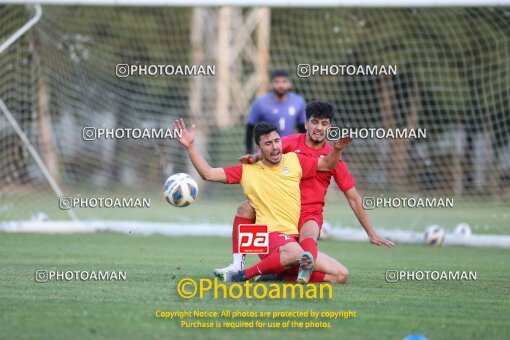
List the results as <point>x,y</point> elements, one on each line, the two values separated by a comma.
<point>272,186</point>
<point>319,116</point>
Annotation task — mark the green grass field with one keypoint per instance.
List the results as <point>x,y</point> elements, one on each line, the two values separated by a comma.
<point>441,310</point>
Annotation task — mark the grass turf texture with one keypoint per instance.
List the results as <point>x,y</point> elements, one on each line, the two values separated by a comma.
<point>440,310</point>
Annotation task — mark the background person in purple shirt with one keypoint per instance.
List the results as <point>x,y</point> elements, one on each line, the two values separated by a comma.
<point>280,107</point>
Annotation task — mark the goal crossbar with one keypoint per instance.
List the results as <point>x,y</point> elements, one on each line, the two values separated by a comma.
<point>270,3</point>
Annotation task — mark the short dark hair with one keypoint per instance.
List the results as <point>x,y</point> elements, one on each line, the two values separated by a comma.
<point>319,109</point>
<point>279,73</point>
<point>262,128</point>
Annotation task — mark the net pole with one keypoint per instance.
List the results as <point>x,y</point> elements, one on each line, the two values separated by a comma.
<point>16,35</point>
<point>8,42</point>
<point>34,154</point>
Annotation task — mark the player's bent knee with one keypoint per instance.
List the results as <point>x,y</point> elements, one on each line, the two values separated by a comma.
<point>342,276</point>
<point>308,234</point>
<point>290,255</point>
<point>245,210</point>
<point>309,230</point>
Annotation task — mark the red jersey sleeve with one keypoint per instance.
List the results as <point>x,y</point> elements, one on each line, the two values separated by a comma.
<point>308,165</point>
<point>234,173</point>
<point>343,177</point>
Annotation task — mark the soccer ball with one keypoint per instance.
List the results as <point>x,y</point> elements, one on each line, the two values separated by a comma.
<point>462,229</point>
<point>180,190</point>
<point>434,235</point>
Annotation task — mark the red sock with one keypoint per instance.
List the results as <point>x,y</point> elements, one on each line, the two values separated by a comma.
<point>309,245</point>
<point>290,278</point>
<point>269,265</point>
<point>315,277</point>
<point>235,232</point>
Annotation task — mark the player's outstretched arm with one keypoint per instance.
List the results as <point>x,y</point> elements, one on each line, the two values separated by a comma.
<point>354,200</point>
<point>330,161</point>
<point>187,140</point>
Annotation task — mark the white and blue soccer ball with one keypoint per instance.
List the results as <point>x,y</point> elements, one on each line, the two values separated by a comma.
<point>180,190</point>
<point>434,235</point>
<point>462,229</point>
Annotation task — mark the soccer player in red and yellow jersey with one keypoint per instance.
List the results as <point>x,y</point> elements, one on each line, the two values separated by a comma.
<point>319,116</point>
<point>272,187</point>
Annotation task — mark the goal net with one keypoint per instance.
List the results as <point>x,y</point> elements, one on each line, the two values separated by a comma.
<point>453,80</point>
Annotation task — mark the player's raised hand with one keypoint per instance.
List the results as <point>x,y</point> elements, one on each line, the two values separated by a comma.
<point>379,241</point>
<point>248,159</point>
<point>187,136</point>
<point>342,143</point>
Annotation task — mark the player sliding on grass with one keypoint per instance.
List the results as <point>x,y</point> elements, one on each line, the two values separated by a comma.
<point>272,186</point>
<point>319,116</point>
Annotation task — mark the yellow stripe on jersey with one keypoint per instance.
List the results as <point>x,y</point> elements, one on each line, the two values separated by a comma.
<point>274,193</point>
